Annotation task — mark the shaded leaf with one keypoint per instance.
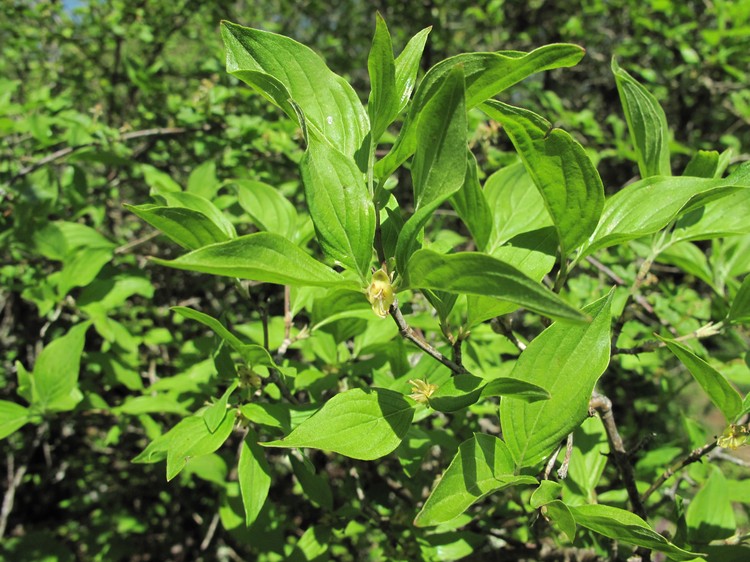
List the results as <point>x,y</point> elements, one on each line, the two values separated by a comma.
<point>254,476</point>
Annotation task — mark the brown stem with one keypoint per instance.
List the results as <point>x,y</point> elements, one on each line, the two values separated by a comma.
<point>409,333</point>
<point>694,456</point>
<point>622,460</point>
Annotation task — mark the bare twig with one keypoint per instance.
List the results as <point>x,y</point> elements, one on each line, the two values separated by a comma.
<point>551,462</point>
<point>409,333</point>
<point>15,478</point>
<point>705,331</point>
<point>604,406</point>
<point>501,325</point>
<point>562,472</point>
<point>640,299</point>
<point>210,532</point>
<point>694,456</point>
<point>137,242</point>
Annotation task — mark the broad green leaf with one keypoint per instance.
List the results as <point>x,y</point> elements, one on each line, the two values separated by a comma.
<point>340,206</point>
<point>479,274</point>
<point>547,492</point>
<point>150,404</point>
<point>316,488</point>
<point>60,239</point>
<point>518,389</point>
<point>740,309</point>
<point>407,66</point>
<point>361,424</point>
<point>215,413</point>
<point>55,376</point>
<point>191,438</point>
<point>720,392</point>
<point>725,217</point>
<point>471,206</point>
<point>382,106</point>
<point>648,205</point>
<point>486,75</point>
<point>254,476</point>
<point>158,181</point>
<point>710,515</point>
<point>533,254</point>
<point>565,176</point>
<point>566,360</point>
<point>410,237</point>
<point>515,203</point>
<point>332,111</point>
<point>251,353</point>
<point>439,166</point>
<point>481,466</point>
<point>703,164</point>
<point>267,207</point>
<point>646,122</point>
<point>627,527</point>
<point>81,268</point>
<point>458,392</point>
<point>262,256</point>
<point>186,227</point>
<point>559,514</point>
<point>202,205</point>
<point>203,181</point>
<point>12,417</point>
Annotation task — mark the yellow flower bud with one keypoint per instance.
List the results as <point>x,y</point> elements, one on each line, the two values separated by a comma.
<point>380,293</point>
<point>422,390</point>
<point>733,437</point>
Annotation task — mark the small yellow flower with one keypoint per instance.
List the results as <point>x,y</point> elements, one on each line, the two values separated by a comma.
<point>380,292</point>
<point>734,436</point>
<point>422,390</point>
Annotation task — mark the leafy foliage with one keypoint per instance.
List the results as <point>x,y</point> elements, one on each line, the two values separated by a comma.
<point>332,302</point>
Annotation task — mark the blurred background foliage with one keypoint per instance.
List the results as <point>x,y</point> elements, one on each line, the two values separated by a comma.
<point>101,101</point>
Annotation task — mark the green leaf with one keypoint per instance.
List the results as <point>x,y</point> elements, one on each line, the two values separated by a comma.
<point>361,424</point>
<point>566,360</point>
<point>458,392</point>
<point>267,207</point>
<point>648,205</point>
<point>647,124</point>
<point>407,66</point>
<point>12,417</point>
<point>189,438</point>
<point>547,492</point>
<point>315,487</point>
<point>251,353</point>
<point>481,466</point>
<point>719,391</point>
<point>471,206</point>
<point>703,164</point>
<point>515,388</point>
<point>281,68</point>
<point>627,527</point>
<point>201,205</point>
<point>81,268</point>
<point>710,515</point>
<point>725,217</point>
<point>340,206</point>
<point>565,176</point>
<point>740,309</point>
<point>486,75</point>
<point>516,205</point>
<point>478,274</point>
<point>561,517</point>
<point>382,106</point>
<point>55,376</point>
<point>262,256</point>
<point>410,237</point>
<point>203,181</point>
<point>589,456</point>
<point>254,476</point>
<point>439,166</point>
<point>215,413</point>
<point>186,227</point>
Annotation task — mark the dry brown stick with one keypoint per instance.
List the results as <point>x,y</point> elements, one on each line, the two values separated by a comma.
<point>408,333</point>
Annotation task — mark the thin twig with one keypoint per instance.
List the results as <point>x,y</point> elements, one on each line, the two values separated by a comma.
<point>694,456</point>
<point>705,331</point>
<point>15,478</point>
<point>551,462</point>
<point>137,242</point>
<point>409,333</point>
<point>640,299</point>
<point>604,406</point>
<point>562,472</point>
<point>501,325</point>
<point>210,532</point>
